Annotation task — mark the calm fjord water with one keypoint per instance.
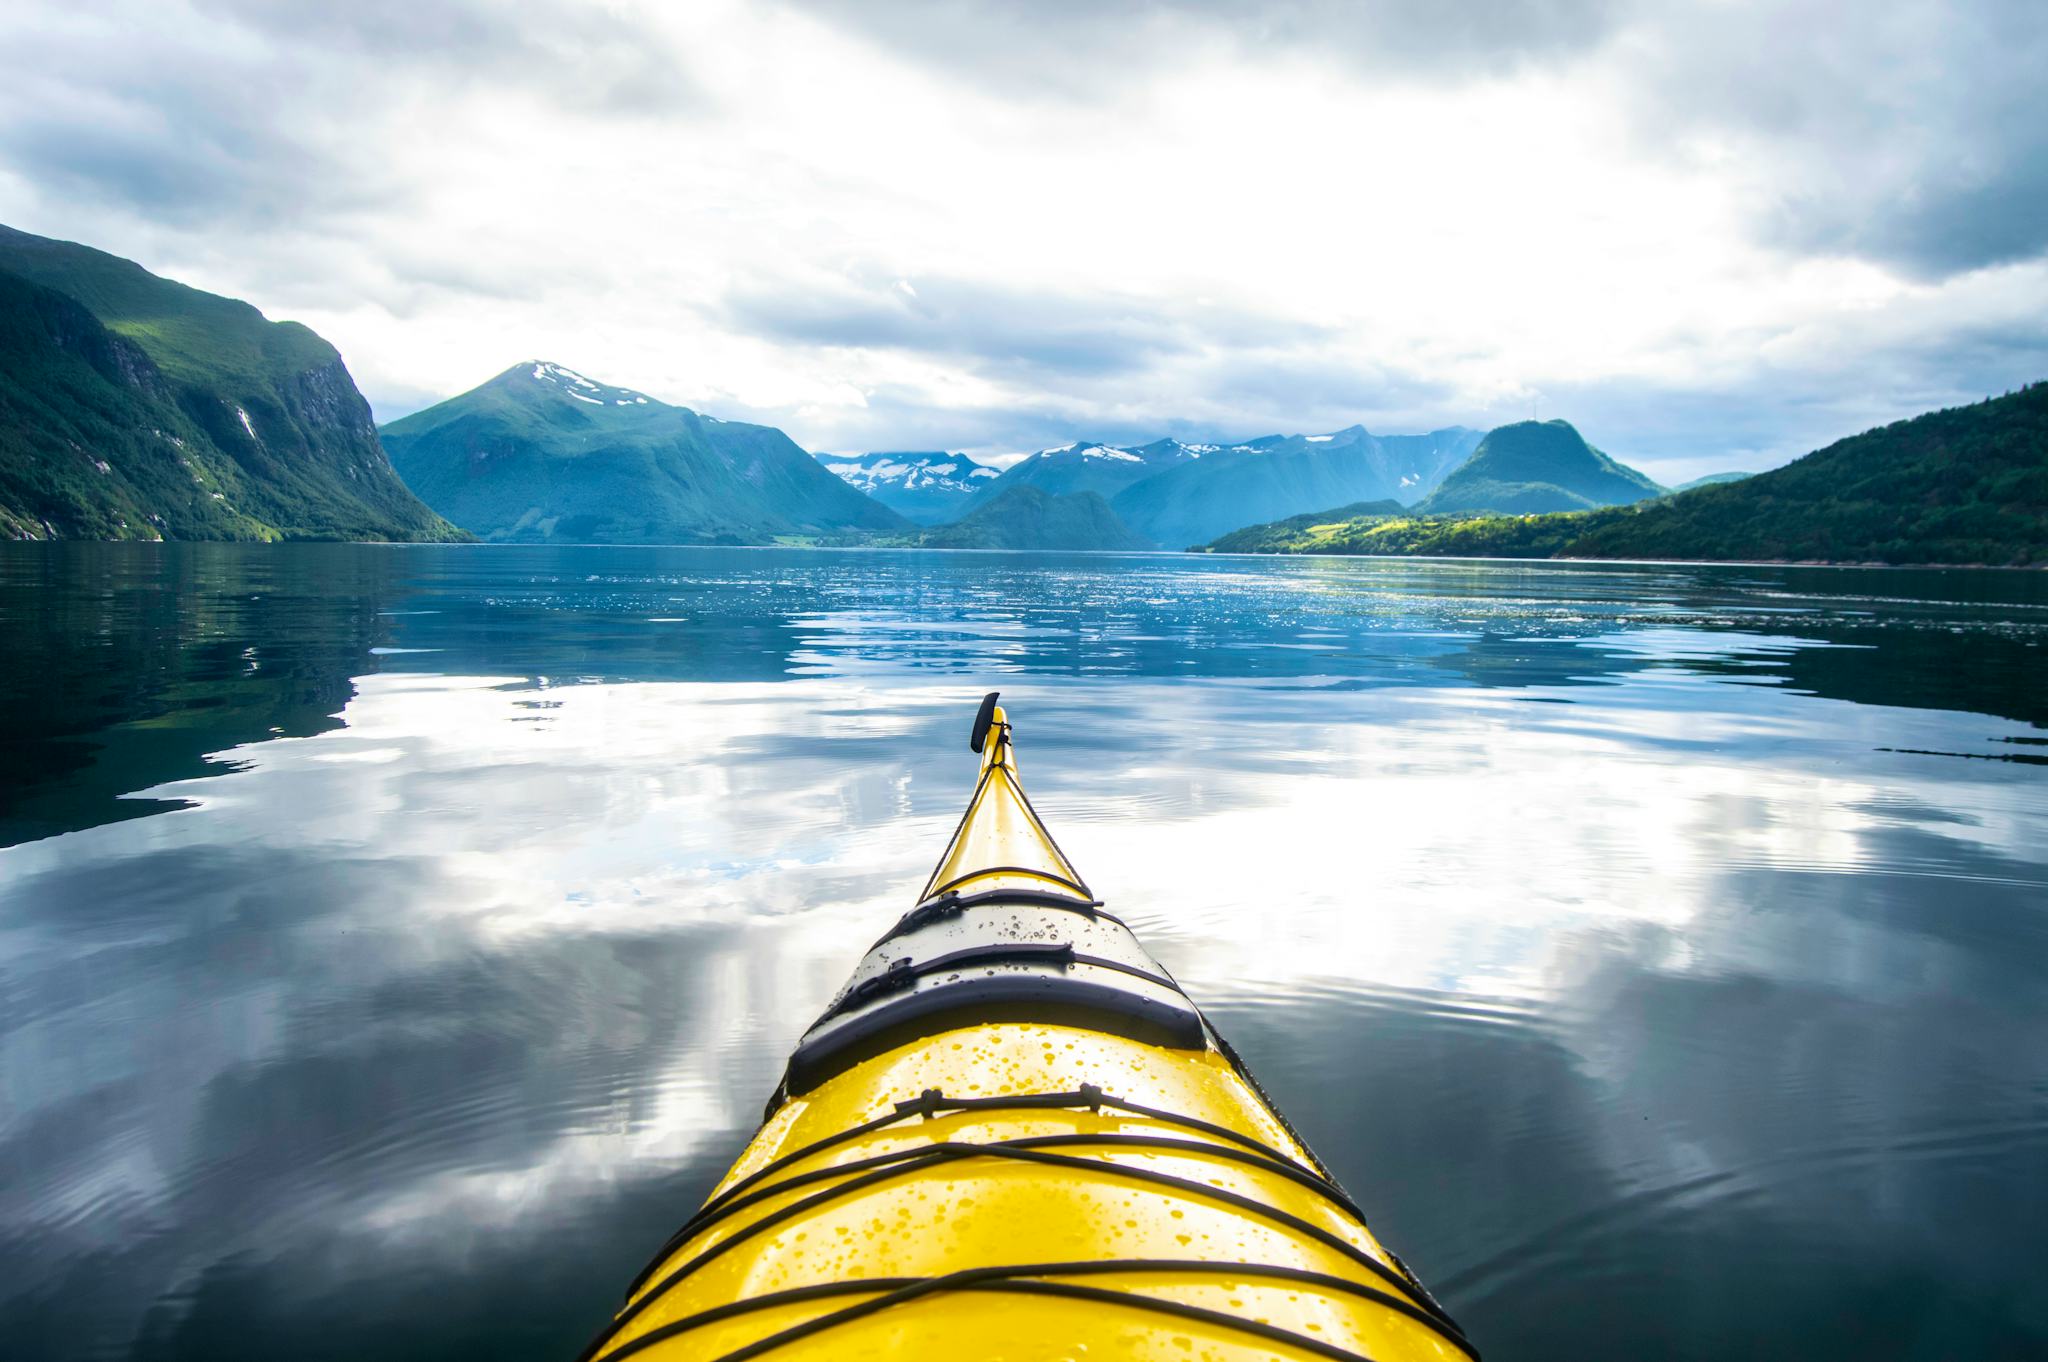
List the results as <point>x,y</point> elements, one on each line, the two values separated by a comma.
<point>399,941</point>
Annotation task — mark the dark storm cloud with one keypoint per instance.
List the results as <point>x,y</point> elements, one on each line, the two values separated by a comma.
<point>994,327</point>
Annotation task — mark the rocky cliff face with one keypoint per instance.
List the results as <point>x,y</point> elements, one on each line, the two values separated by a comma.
<point>134,407</point>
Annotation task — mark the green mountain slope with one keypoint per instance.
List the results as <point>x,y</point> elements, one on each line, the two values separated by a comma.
<point>541,452</point>
<point>132,406</point>
<point>91,446</point>
<point>1403,534</point>
<point>1284,475</point>
<point>1966,485</point>
<point>1279,536</point>
<point>1532,467</point>
<point>1032,518</point>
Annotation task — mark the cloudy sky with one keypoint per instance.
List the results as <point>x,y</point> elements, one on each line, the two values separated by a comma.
<point>1713,234</point>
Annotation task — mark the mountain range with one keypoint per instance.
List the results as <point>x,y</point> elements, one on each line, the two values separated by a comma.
<point>541,452</point>
<point>1285,474</point>
<point>134,407</point>
<point>1091,466</point>
<point>927,488</point>
<point>1170,493</point>
<point>1964,485</point>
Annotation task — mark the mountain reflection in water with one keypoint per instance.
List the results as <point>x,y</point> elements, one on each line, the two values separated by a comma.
<point>1655,951</point>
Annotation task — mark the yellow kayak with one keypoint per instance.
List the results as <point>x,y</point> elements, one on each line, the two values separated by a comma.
<point>1011,1135</point>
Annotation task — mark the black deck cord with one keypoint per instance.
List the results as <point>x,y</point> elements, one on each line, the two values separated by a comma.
<point>1008,1279</point>
<point>902,973</point>
<point>946,1153</point>
<point>932,889</point>
<point>1293,1172</point>
<point>952,903</point>
<point>987,773</point>
<point>1089,1267</point>
<point>1051,841</point>
<point>736,1197</point>
<point>1031,870</point>
<point>930,1103</point>
<point>942,1153</point>
<point>1270,1332</point>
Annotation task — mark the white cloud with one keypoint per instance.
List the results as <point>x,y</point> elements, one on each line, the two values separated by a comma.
<point>801,217</point>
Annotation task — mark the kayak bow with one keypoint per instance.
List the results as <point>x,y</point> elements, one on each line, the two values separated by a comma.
<point>1012,1135</point>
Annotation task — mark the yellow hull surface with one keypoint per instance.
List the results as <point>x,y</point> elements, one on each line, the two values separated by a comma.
<point>1012,1137</point>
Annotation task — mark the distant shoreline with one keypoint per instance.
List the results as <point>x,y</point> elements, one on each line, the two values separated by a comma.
<point>1635,562</point>
<point>1104,553</point>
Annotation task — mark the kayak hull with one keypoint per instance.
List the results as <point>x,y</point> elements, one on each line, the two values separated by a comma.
<point>1011,1135</point>
<point>962,1213</point>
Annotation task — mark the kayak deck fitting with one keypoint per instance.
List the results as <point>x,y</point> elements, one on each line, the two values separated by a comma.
<point>1011,1135</point>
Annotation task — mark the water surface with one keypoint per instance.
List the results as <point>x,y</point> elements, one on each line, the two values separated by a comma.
<point>395,943</point>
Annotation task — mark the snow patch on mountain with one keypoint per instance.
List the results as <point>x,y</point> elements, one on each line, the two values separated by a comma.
<point>573,384</point>
<point>872,473</point>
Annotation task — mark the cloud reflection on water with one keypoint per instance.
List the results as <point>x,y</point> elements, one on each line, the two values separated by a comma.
<point>1637,999</point>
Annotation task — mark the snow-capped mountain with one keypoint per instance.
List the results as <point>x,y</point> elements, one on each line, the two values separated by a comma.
<point>543,453</point>
<point>929,487</point>
<point>1091,466</point>
<point>1171,492</point>
<point>575,385</point>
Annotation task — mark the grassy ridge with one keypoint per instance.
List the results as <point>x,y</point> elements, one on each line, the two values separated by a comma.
<point>194,336</point>
<point>1493,536</point>
<point>1966,485</point>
